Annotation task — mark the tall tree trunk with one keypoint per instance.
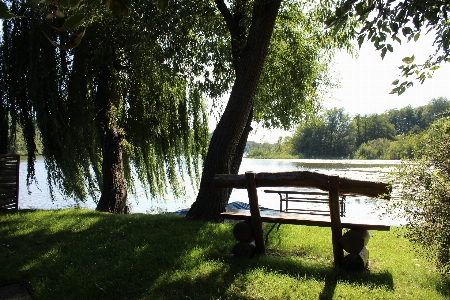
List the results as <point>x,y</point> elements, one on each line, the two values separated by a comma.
<point>233,127</point>
<point>239,154</point>
<point>114,188</point>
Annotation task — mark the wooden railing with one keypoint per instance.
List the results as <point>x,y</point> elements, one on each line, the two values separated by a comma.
<point>9,181</point>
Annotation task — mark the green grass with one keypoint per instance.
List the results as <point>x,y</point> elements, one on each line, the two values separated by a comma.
<point>80,254</point>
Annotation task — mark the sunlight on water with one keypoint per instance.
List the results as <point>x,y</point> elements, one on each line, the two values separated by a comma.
<point>373,170</point>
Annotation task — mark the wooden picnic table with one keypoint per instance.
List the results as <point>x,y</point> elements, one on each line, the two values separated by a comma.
<point>333,184</point>
<point>307,197</point>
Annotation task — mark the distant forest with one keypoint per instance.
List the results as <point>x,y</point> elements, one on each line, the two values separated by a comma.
<point>395,134</point>
<point>334,134</point>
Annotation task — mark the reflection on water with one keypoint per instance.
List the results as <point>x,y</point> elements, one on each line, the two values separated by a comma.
<point>373,170</point>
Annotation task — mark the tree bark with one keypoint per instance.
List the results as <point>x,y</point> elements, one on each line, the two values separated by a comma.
<point>238,155</point>
<point>222,155</point>
<point>114,188</point>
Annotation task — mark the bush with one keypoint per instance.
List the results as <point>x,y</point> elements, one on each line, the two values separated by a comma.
<point>424,187</point>
<point>374,149</point>
<point>405,147</point>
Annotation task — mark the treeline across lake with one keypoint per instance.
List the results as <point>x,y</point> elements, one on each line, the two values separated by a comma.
<point>395,134</point>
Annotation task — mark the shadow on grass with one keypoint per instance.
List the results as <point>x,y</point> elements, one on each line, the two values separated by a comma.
<point>75,254</point>
<point>225,283</point>
<point>443,286</point>
<point>383,279</point>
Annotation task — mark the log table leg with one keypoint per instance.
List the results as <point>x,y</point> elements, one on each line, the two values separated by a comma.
<point>353,241</point>
<point>243,231</point>
<point>244,249</point>
<point>356,262</point>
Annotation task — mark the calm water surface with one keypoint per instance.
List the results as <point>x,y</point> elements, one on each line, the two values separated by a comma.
<point>374,170</point>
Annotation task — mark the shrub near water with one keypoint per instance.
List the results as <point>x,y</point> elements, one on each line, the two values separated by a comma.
<point>80,254</point>
<point>425,190</point>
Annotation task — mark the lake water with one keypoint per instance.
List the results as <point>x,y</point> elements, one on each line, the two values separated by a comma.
<point>373,170</point>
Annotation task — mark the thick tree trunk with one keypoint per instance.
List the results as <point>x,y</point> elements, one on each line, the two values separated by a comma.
<point>114,188</point>
<point>222,153</point>
<point>236,159</point>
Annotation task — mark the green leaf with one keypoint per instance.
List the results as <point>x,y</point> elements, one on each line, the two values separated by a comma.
<point>406,31</point>
<point>72,22</point>
<point>383,52</point>
<point>361,39</point>
<point>394,27</point>
<point>359,8</point>
<point>434,68</point>
<point>4,12</point>
<point>400,16</point>
<point>395,82</point>
<point>416,37</point>
<point>119,7</point>
<point>338,26</point>
<point>69,3</point>
<point>74,41</point>
<point>51,41</point>
<point>396,38</point>
<point>389,47</point>
<point>162,4</point>
<point>408,60</point>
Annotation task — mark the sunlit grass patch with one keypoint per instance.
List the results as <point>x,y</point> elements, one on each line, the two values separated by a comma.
<point>80,254</point>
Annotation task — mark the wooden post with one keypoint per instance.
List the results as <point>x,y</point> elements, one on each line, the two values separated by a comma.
<point>254,211</point>
<point>336,226</point>
<point>17,181</point>
<point>9,181</point>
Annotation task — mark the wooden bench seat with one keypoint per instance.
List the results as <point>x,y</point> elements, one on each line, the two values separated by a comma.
<point>273,216</point>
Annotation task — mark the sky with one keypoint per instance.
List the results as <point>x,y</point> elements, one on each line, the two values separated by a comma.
<point>365,83</point>
<point>367,80</point>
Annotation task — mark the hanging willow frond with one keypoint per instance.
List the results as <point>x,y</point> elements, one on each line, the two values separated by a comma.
<point>160,113</point>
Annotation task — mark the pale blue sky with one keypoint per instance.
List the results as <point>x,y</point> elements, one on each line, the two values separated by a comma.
<point>366,82</point>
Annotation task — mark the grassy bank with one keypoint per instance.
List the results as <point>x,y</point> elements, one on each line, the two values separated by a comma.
<point>79,254</point>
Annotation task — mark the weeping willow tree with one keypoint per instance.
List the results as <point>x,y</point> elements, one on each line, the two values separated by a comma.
<point>127,102</point>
